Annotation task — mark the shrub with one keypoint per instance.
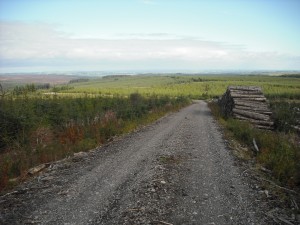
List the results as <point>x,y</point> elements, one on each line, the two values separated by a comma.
<point>286,115</point>
<point>10,127</point>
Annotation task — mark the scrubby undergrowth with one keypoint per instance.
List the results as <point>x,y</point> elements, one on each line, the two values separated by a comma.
<point>37,130</point>
<point>278,151</point>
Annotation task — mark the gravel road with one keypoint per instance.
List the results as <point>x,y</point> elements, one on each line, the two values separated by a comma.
<point>175,171</point>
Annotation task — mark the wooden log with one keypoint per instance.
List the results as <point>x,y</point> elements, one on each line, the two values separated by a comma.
<point>253,100</point>
<point>244,88</point>
<point>247,103</point>
<point>250,103</point>
<point>253,106</point>
<point>251,93</point>
<point>258,99</point>
<point>249,97</point>
<point>252,109</point>
<point>251,115</point>
<point>253,121</point>
<point>266,125</point>
<point>240,88</point>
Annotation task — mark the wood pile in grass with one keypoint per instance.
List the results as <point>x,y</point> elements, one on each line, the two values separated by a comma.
<point>247,103</point>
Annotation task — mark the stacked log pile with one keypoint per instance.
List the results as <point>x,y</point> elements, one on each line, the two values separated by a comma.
<point>247,103</point>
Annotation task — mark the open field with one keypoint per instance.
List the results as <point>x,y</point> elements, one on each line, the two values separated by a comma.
<point>192,86</point>
<point>10,81</point>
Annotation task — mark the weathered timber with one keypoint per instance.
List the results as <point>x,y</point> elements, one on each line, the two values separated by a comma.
<point>247,96</point>
<point>252,115</point>
<point>258,93</point>
<point>251,104</point>
<point>258,110</point>
<point>253,121</point>
<point>250,98</point>
<point>247,103</point>
<point>246,88</point>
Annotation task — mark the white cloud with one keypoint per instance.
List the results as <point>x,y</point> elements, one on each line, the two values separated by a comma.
<point>36,44</point>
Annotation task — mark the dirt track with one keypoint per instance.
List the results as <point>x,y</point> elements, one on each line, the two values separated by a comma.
<point>175,171</point>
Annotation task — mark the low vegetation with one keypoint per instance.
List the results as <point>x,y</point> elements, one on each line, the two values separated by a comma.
<point>40,123</point>
<point>38,129</point>
<point>196,87</point>
<point>279,150</point>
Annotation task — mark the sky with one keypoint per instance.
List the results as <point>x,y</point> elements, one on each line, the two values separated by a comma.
<point>149,35</point>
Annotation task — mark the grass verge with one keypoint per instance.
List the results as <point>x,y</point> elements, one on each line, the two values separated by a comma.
<point>278,152</point>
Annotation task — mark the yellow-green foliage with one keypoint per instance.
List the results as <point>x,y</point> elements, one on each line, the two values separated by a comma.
<point>192,86</point>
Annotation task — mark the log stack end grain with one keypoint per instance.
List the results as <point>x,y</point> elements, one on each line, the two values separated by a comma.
<point>247,103</point>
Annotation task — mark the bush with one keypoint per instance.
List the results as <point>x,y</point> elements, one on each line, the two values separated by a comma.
<point>286,115</point>
<point>10,127</point>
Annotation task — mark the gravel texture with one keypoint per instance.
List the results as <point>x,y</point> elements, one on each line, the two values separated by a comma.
<point>175,171</point>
